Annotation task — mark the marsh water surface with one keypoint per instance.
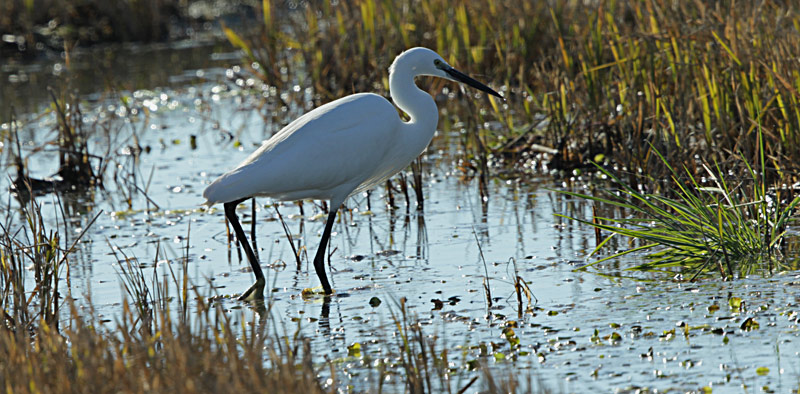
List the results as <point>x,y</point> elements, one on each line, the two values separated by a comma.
<point>603,330</point>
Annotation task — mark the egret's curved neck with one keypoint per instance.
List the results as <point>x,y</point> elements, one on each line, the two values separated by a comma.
<point>412,100</point>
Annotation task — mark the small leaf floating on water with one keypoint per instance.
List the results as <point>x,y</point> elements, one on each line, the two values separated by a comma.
<point>735,302</point>
<point>387,253</point>
<point>307,293</point>
<point>374,302</point>
<point>761,371</point>
<point>595,336</point>
<point>648,355</point>
<point>437,304</point>
<point>354,350</point>
<point>749,324</point>
<point>511,336</point>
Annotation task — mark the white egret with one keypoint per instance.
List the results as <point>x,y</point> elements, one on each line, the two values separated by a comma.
<point>341,148</point>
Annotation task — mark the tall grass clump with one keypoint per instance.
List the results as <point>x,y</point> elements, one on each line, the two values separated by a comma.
<point>30,246</point>
<point>26,304</point>
<point>691,78</point>
<point>47,344</point>
<point>211,354</point>
<point>735,226</point>
<point>79,170</point>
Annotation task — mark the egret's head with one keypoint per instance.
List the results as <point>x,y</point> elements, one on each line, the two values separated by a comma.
<point>423,61</point>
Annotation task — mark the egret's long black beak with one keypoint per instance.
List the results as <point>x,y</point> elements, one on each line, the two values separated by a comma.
<point>464,78</point>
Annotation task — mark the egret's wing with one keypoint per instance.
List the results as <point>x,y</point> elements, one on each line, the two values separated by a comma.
<point>338,144</point>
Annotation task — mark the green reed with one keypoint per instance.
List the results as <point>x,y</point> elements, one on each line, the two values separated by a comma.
<point>736,226</point>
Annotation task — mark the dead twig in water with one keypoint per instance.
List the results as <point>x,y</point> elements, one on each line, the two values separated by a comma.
<point>520,286</point>
<point>486,285</point>
<point>289,237</point>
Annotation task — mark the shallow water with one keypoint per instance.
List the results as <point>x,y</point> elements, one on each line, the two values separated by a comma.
<point>583,332</point>
<point>24,83</point>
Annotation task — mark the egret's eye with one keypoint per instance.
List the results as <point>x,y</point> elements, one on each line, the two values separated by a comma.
<point>438,63</point>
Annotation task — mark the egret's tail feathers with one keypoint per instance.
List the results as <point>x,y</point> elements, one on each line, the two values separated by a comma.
<point>214,191</point>
<point>209,194</point>
<point>228,187</point>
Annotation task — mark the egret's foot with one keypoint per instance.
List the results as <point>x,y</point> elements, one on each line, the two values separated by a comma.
<point>255,292</point>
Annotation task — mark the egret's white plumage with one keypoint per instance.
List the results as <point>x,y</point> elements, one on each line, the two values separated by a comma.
<point>340,148</point>
<point>312,158</point>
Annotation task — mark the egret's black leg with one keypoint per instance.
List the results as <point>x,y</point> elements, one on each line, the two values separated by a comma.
<point>319,259</point>
<point>256,291</point>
